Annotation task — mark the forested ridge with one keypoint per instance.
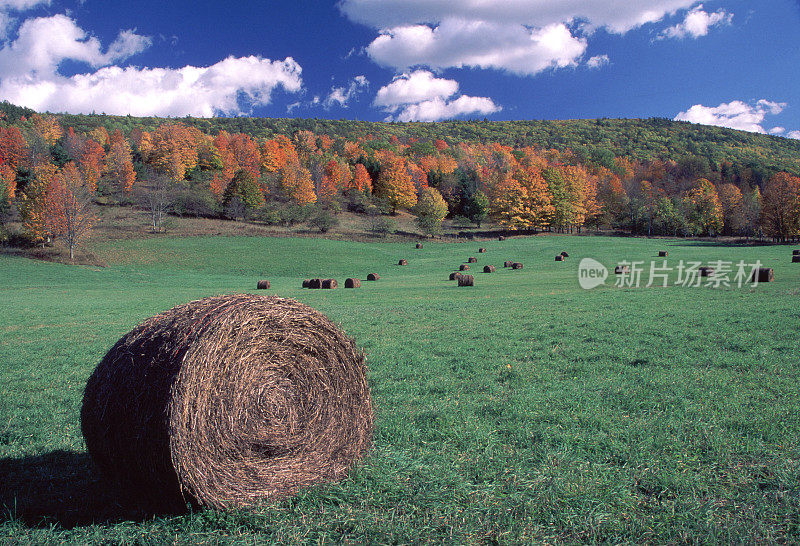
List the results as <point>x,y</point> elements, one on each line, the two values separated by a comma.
<point>653,176</point>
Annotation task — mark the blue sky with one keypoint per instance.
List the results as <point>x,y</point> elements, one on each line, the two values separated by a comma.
<point>726,62</point>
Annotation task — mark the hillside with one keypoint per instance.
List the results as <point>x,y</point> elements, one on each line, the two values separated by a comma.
<point>598,140</point>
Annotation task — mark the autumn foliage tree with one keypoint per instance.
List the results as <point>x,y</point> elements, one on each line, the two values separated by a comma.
<point>394,183</point>
<point>780,213</point>
<point>69,213</point>
<point>705,210</point>
<point>431,208</point>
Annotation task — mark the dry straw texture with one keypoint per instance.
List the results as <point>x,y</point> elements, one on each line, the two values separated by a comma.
<point>402,262</point>
<point>262,285</point>
<point>463,267</point>
<point>226,402</point>
<point>329,284</point>
<point>352,283</point>
<point>559,258</point>
<point>488,269</point>
<point>373,277</point>
<point>454,276</point>
<point>508,264</point>
<point>472,260</point>
<point>481,250</point>
<point>419,245</point>
<point>516,265</point>
<point>466,280</point>
<point>307,283</point>
<point>315,283</point>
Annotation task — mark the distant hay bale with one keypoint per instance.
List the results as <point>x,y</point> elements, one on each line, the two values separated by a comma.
<point>402,262</point>
<point>481,250</point>
<point>516,265</point>
<point>488,269</point>
<point>796,259</point>
<point>472,260</point>
<point>662,253</point>
<point>620,269</point>
<point>455,275</point>
<point>463,267</point>
<point>306,283</point>
<point>329,284</point>
<point>795,252</point>
<point>466,280</point>
<point>352,283</point>
<point>262,285</point>
<point>706,271</point>
<point>227,402</point>
<point>419,245</point>
<point>501,238</point>
<point>373,277</point>
<point>315,284</point>
<point>763,274</point>
<point>564,254</point>
<point>559,258</point>
<point>508,264</point>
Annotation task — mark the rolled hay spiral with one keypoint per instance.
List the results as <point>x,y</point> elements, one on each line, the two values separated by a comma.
<point>402,262</point>
<point>472,260</point>
<point>463,267</point>
<point>227,402</point>
<point>559,258</point>
<point>373,277</point>
<point>481,250</point>
<point>419,245</point>
<point>263,285</point>
<point>466,280</point>
<point>352,283</point>
<point>455,275</point>
<point>329,284</point>
<point>488,269</point>
<point>516,265</point>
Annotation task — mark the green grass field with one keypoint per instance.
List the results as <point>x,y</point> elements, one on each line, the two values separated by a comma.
<point>522,409</point>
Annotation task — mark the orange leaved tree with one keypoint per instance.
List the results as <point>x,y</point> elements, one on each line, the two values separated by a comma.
<point>69,207</point>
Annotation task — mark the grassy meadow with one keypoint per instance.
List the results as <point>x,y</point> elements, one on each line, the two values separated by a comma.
<point>524,409</point>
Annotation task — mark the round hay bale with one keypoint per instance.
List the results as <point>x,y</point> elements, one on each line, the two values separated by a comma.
<point>262,285</point>
<point>481,250</point>
<point>352,283</point>
<point>306,283</point>
<point>565,254</point>
<point>620,269</point>
<point>466,280</point>
<point>516,265</point>
<point>501,238</point>
<point>419,245</point>
<point>315,284</point>
<point>329,284</point>
<point>488,269</point>
<point>472,260</point>
<point>763,274</point>
<point>463,267</point>
<point>455,275</point>
<point>796,259</point>
<point>402,262</point>
<point>508,264</point>
<point>226,402</point>
<point>559,258</point>
<point>706,271</point>
<point>373,277</point>
<point>662,253</point>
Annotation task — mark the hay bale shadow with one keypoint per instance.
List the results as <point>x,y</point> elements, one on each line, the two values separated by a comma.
<point>61,487</point>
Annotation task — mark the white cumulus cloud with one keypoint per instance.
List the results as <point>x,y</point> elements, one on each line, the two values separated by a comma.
<point>342,95</point>
<point>29,76</point>
<point>479,44</point>
<point>617,16</point>
<point>597,61</point>
<point>419,96</point>
<point>793,134</point>
<point>697,23</point>
<point>735,114</point>
<point>523,37</point>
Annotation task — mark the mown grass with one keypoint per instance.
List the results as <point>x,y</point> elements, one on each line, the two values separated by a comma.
<point>523,409</point>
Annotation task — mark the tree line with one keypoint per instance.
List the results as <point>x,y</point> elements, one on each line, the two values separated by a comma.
<point>52,174</point>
